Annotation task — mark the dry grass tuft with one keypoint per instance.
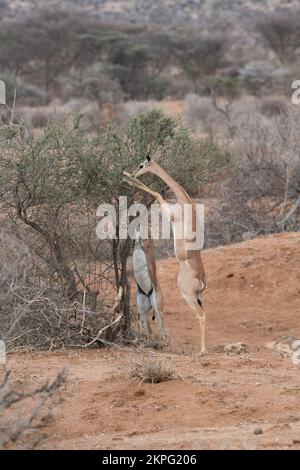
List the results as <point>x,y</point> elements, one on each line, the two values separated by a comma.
<point>152,370</point>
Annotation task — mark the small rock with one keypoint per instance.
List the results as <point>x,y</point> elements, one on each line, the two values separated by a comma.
<point>296,344</point>
<point>257,431</point>
<point>283,348</point>
<point>296,357</point>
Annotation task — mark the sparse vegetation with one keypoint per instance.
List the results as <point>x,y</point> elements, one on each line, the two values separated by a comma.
<point>151,369</point>
<point>93,88</point>
<point>261,192</point>
<point>281,33</point>
<point>24,413</point>
<point>61,176</point>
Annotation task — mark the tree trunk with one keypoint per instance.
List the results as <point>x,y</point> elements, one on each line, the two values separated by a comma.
<point>124,251</point>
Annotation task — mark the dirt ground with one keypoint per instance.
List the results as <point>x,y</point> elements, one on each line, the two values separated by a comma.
<point>221,401</point>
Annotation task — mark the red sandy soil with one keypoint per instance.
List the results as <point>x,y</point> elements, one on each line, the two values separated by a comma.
<point>220,401</point>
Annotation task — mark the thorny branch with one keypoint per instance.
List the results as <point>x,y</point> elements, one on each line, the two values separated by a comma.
<point>24,414</point>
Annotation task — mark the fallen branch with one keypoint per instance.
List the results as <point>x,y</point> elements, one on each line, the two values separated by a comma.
<point>120,316</point>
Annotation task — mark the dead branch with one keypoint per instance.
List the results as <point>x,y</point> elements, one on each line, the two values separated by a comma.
<point>100,332</point>
<point>23,414</point>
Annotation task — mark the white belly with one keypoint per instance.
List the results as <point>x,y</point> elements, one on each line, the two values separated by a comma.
<point>140,269</point>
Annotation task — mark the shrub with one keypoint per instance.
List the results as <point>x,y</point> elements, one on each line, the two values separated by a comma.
<point>30,94</point>
<point>193,162</point>
<point>40,119</point>
<point>261,192</point>
<point>95,84</point>
<point>34,313</point>
<point>274,106</point>
<point>219,85</point>
<point>201,115</point>
<point>129,109</point>
<point>45,183</point>
<point>155,87</point>
<point>152,370</point>
<point>60,176</point>
<point>261,78</point>
<point>26,93</point>
<point>256,75</point>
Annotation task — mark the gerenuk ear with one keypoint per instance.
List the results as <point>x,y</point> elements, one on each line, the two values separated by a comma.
<point>148,158</point>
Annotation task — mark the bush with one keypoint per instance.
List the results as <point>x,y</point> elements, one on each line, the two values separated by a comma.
<point>155,87</point>
<point>224,86</point>
<point>262,78</point>
<point>261,193</point>
<point>152,370</point>
<point>34,313</point>
<point>193,162</point>
<point>274,106</point>
<point>30,94</point>
<point>60,176</point>
<point>45,188</point>
<point>40,118</point>
<point>129,109</point>
<point>96,84</point>
<point>26,93</point>
<point>201,115</point>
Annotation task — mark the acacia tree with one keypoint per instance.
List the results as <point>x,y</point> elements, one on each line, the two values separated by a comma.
<point>96,83</point>
<point>281,33</point>
<point>51,186</point>
<point>199,56</point>
<point>132,61</point>
<point>227,88</point>
<point>41,54</point>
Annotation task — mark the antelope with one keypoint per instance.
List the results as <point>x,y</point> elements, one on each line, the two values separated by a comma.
<point>149,293</point>
<point>191,275</point>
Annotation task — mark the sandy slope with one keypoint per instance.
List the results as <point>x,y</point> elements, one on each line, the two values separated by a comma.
<point>253,296</point>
